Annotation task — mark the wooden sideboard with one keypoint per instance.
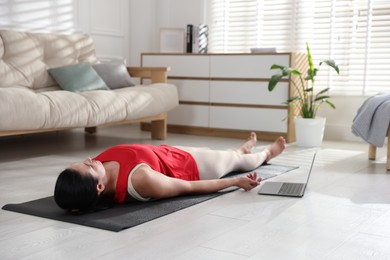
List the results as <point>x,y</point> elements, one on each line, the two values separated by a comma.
<point>227,94</point>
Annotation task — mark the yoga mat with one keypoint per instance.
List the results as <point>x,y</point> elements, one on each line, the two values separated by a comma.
<point>128,215</point>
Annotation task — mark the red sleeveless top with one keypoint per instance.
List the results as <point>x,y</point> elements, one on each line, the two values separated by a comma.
<point>168,160</point>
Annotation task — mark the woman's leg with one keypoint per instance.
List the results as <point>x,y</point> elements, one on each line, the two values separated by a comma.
<point>215,164</point>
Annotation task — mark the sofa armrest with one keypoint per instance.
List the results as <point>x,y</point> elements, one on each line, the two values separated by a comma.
<point>157,74</point>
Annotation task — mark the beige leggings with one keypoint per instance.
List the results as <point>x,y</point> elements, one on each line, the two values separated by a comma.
<point>213,164</point>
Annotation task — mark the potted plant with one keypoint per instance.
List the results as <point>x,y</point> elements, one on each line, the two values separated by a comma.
<point>307,99</point>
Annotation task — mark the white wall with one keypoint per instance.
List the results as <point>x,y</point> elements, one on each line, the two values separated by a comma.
<point>46,16</point>
<point>106,21</point>
<point>179,13</point>
<point>339,121</point>
<point>147,17</point>
<point>142,31</point>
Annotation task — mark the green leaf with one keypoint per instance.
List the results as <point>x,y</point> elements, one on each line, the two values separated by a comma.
<point>315,72</point>
<point>311,71</point>
<point>274,81</point>
<point>292,99</point>
<point>330,104</point>
<point>321,98</point>
<point>306,112</point>
<point>276,66</point>
<point>308,90</point>
<point>311,74</point>
<point>286,70</point>
<point>294,71</point>
<point>331,63</point>
<point>322,91</point>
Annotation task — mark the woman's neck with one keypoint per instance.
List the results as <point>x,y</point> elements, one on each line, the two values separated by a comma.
<point>112,171</point>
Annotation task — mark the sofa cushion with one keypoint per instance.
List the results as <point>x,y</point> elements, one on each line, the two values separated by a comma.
<point>25,57</point>
<point>144,101</point>
<point>20,60</point>
<point>22,108</point>
<point>78,77</point>
<point>115,74</point>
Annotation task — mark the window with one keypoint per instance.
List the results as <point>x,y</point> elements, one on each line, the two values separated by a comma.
<point>355,33</point>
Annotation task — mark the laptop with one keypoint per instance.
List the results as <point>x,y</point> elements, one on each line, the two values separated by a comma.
<point>289,189</point>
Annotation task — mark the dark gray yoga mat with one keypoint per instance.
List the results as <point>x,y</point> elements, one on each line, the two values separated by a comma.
<point>120,217</point>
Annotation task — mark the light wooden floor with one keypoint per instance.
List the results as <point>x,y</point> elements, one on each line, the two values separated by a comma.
<point>345,213</point>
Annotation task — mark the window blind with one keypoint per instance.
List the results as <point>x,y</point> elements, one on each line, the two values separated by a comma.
<point>235,25</point>
<point>355,33</point>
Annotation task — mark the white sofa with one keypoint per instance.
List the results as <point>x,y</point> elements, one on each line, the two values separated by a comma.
<point>32,101</point>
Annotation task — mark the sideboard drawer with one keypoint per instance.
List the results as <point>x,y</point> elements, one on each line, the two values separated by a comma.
<point>189,115</point>
<point>181,65</point>
<point>247,92</point>
<point>251,119</point>
<point>246,66</point>
<point>192,90</point>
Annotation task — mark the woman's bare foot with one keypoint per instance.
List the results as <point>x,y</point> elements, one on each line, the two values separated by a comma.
<point>249,144</point>
<point>276,148</point>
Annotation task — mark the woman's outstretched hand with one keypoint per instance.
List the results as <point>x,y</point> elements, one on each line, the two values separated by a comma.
<point>249,182</point>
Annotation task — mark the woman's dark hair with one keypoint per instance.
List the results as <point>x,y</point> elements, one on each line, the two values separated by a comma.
<point>75,191</point>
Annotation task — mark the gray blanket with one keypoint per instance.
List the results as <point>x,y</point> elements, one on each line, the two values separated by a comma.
<point>372,119</point>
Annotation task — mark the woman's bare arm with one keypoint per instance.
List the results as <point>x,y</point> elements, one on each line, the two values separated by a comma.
<point>151,184</point>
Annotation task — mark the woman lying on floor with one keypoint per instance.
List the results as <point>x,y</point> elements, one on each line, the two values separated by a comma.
<point>142,172</point>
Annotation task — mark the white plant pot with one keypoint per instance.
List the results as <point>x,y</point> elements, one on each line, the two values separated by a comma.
<point>309,132</point>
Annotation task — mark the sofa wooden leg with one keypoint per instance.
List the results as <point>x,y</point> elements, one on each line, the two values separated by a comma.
<point>371,152</point>
<point>91,130</point>
<point>159,129</point>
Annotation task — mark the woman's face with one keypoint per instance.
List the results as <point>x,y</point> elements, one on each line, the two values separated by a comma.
<point>89,166</point>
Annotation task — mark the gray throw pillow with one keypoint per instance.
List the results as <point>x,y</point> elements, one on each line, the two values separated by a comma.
<point>78,77</point>
<point>114,74</point>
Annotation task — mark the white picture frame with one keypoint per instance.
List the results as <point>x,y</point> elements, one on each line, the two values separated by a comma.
<point>172,40</point>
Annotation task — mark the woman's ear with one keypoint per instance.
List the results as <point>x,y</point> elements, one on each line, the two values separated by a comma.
<point>100,188</point>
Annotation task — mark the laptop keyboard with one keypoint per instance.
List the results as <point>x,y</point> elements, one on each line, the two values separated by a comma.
<point>291,188</point>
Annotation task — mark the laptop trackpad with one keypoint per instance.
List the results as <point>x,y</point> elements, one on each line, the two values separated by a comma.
<point>270,187</point>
